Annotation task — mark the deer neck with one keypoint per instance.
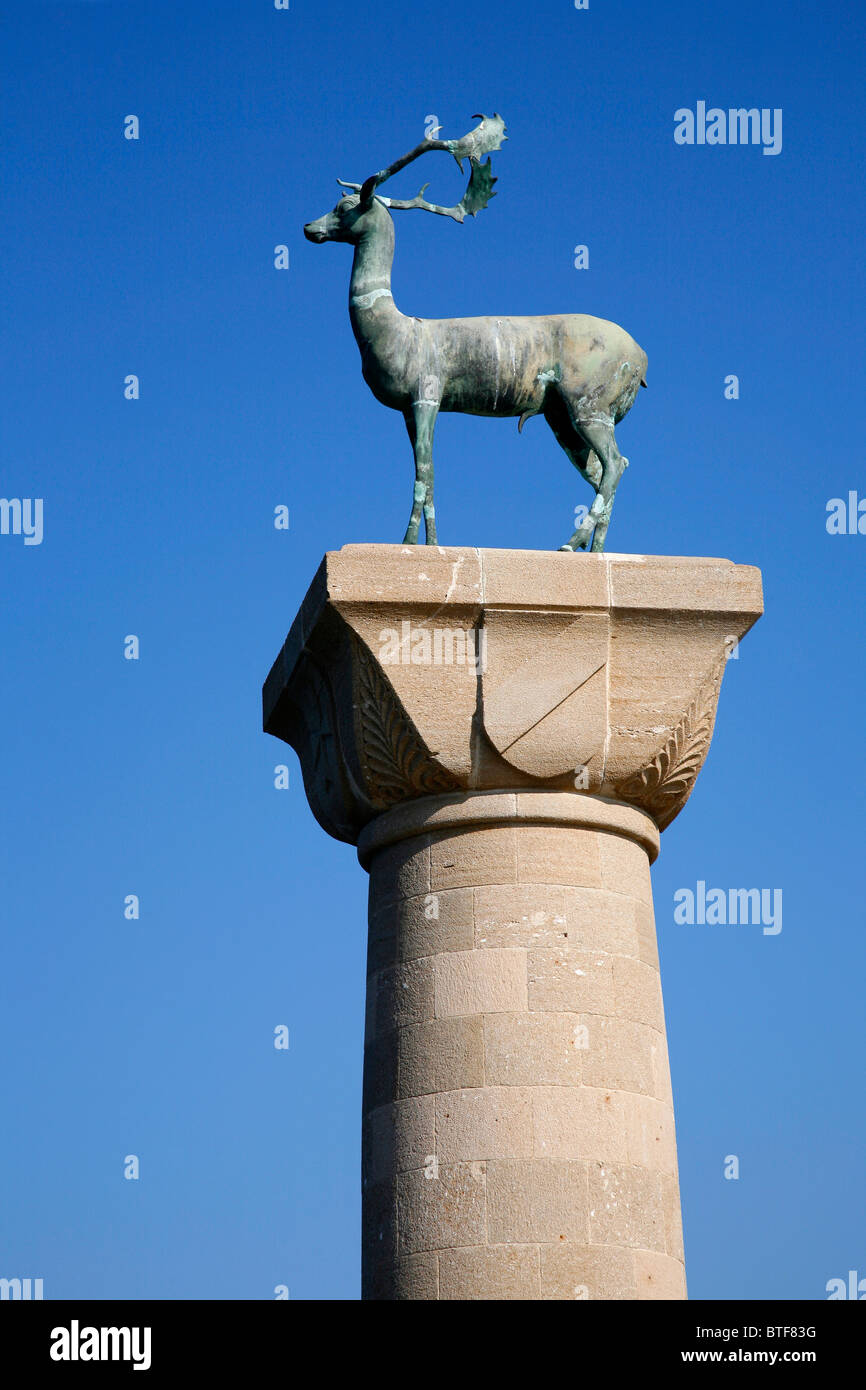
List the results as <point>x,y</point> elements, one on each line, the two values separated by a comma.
<point>371,304</point>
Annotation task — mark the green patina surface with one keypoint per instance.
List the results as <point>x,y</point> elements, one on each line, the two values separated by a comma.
<point>581,373</point>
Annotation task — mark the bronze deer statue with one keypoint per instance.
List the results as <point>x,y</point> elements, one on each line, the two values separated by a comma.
<point>581,373</point>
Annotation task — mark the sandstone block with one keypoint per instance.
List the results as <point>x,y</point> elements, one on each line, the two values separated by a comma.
<point>501,1272</point>
<point>441,1055</point>
<point>417,1277</point>
<point>421,926</point>
<point>479,982</point>
<point>650,1128</point>
<point>533,915</point>
<point>570,981</point>
<point>599,920</point>
<point>541,1200</point>
<point>558,855</point>
<point>637,993</point>
<point>399,995</point>
<point>620,1054</point>
<point>400,871</point>
<point>488,855</point>
<point>539,1049</point>
<point>624,867</point>
<point>580,1122</point>
<point>485,1123</point>
<point>625,1207</point>
<point>672,1217</point>
<point>587,1272</point>
<point>398,1137</point>
<point>658,1276</point>
<point>441,1212</point>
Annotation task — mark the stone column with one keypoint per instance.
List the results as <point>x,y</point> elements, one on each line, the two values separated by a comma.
<point>503,735</point>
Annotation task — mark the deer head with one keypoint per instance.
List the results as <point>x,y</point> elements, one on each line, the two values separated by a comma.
<point>358,213</point>
<point>346,222</point>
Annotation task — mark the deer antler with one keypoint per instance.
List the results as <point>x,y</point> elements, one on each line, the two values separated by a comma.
<point>486,137</point>
<point>478,194</point>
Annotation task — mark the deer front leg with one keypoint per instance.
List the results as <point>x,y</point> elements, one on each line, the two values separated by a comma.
<point>420,424</point>
<point>411,536</point>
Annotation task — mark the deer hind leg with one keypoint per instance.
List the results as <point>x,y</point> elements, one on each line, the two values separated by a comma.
<point>613,465</point>
<point>598,436</point>
<point>420,423</point>
<point>600,533</point>
<point>580,453</point>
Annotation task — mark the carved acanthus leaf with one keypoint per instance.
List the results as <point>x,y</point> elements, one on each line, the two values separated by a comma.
<point>396,763</point>
<point>664,785</point>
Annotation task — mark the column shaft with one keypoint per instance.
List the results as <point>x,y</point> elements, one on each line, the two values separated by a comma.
<point>518,1120</point>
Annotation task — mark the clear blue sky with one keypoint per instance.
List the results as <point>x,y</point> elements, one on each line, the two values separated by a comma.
<point>154,1037</point>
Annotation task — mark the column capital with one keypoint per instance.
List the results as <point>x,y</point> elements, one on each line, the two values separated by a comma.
<point>418,672</point>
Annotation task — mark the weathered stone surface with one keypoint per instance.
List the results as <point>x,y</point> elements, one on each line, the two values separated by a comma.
<point>650,1134</point>
<point>637,992</point>
<point>533,915</point>
<point>425,925</point>
<point>417,1278</point>
<point>621,1054</point>
<point>658,1276</point>
<point>505,1272</point>
<point>673,1218</point>
<point>486,856</point>
<point>572,981</point>
<point>587,1272</point>
<point>399,995</point>
<point>380,1070</point>
<point>624,868</point>
<point>599,920</point>
<point>480,982</point>
<point>648,950</point>
<point>526,1049</point>
<point>581,1122</point>
<point>401,871</point>
<point>543,1200</point>
<point>558,854</point>
<point>625,1207</point>
<point>442,1212</point>
<point>485,1123</point>
<point>443,1054</point>
<point>397,1137</point>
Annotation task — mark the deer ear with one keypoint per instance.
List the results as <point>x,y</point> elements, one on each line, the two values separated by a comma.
<point>368,188</point>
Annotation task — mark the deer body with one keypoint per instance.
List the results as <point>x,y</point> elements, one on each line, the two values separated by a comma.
<point>581,373</point>
<point>507,366</point>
